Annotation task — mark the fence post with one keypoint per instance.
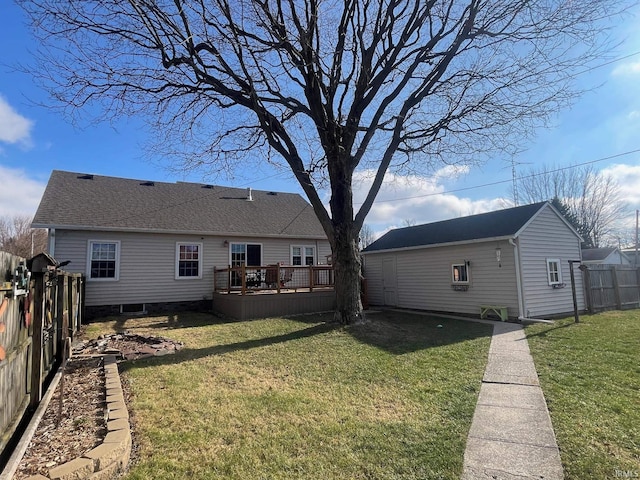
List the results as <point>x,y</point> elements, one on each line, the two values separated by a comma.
<point>586,277</point>
<point>70,289</point>
<point>573,290</point>
<point>36,345</point>
<point>638,284</point>
<point>61,286</point>
<point>616,287</point>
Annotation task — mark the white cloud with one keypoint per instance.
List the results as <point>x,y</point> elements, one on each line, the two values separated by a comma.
<point>628,178</point>
<point>14,128</point>
<point>416,199</point>
<point>19,195</point>
<point>630,68</point>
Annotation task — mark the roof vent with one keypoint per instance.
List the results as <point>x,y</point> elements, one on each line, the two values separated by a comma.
<point>85,177</point>
<point>147,184</point>
<point>249,196</point>
<point>272,193</point>
<point>210,187</point>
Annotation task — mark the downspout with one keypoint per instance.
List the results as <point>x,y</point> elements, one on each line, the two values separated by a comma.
<point>516,257</point>
<point>52,242</point>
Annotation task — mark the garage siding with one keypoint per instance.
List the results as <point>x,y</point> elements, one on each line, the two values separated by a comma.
<point>424,277</point>
<point>547,236</point>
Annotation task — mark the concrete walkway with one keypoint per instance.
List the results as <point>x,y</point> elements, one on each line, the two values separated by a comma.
<point>511,436</point>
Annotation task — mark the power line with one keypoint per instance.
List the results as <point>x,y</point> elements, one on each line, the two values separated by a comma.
<point>614,60</point>
<point>499,182</point>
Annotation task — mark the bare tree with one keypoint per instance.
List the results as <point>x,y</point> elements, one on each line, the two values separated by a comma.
<point>592,200</point>
<point>327,87</point>
<point>366,236</point>
<point>17,236</point>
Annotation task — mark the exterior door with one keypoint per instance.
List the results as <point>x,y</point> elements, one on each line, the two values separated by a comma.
<point>389,282</point>
<point>247,254</point>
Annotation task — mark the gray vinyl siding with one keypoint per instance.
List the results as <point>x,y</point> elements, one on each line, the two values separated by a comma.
<point>372,270</point>
<point>148,264</point>
<point>547,236</point>
<point>424,278</point>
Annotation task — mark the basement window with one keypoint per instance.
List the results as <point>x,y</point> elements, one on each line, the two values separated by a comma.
<point>133,308</point>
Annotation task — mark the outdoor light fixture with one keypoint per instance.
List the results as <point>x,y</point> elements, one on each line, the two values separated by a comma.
<point>226,243</point>
<point>498,254</point>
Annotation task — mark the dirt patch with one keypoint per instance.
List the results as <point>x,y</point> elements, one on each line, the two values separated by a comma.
<point>128,346</point>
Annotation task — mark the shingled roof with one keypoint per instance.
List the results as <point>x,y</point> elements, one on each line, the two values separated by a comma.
<point>595,254</point>
<point>94,202</point>
<point>501,223</point>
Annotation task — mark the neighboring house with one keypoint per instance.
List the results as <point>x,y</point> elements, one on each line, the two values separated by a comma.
<point>143,244</point>
<point>604,256</point>
<point>632,254</point>
<point>516,258</point>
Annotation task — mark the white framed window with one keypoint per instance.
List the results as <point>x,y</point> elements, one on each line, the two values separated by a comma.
<point>188,260</point>
<point>103,260</point>
<point>303,255</point>
<point>459,273</point>
<point>554,272</point>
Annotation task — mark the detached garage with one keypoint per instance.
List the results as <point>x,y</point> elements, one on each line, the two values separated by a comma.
<point>515,259</point>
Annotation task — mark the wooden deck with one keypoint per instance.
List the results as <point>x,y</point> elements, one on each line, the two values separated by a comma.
<point>273,290</point>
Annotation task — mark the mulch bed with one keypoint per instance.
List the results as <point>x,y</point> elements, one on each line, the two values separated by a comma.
<point>81,426</point>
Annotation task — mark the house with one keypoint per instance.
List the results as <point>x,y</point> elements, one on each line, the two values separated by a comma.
<point>146,245</point>
<point>604,256</point>
<point>632,254</point>
<point>516,259</point>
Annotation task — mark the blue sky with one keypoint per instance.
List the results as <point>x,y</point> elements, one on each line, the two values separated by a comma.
<point>34,140</point>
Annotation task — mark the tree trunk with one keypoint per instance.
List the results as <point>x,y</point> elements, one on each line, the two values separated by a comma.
<point>346,259</point>
<point>344,244</point>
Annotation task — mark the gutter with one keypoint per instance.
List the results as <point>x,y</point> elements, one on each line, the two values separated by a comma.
<point>435,245</point>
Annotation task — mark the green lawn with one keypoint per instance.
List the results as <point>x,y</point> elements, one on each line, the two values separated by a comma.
<point>590,375</point>
<point>299,398</point>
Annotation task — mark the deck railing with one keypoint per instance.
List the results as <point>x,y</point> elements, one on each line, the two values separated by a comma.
<point>274,278</point>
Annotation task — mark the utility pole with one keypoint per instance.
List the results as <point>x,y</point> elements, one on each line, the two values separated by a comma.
<point>635,259</point>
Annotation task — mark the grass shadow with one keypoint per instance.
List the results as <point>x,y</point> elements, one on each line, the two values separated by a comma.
<point>166,321</point>
<point>553,328</point>
<point>400,332</point>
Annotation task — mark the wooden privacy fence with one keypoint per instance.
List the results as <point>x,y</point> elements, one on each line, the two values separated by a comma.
<point>34,323</point>
<point>611,287</point>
